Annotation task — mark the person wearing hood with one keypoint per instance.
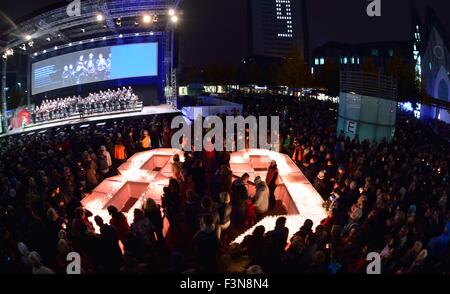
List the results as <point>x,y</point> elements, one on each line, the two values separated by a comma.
<point>37,267</point>
<point>322,185</point>
<point>261,199</point>
<point>24,252</point>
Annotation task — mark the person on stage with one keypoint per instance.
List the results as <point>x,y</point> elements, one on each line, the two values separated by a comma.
<point>108,66</point>
<point>65,75</point>
<point>91,67</point>
<point>101,67</point>
<point>81,70</point>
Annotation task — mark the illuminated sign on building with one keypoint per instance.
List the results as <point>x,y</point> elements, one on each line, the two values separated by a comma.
<point>284,13</point>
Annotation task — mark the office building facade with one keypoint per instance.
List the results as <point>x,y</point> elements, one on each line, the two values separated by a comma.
<point>276,27</point>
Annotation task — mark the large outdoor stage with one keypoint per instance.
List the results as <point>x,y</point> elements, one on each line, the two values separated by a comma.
<point>94,119</point>
<point>145,174</point>
<point>111,45</point>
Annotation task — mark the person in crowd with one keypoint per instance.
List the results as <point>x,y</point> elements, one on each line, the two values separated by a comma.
<point>235,261</point>
<point>177,167</point>
<point>111,255</point>
<point>119,222</point>
<point>272,180</point>
<point>120,154</point>
<point>107,156</point>
<point>38,268</point>
<point>171,203</point>
<point>142,228</point>
<point>250,213</point>
<point>102,164</point>
<point>238,201</point>
<point>321,184</point>
<point>198,176</point>
<point>257,246</point>
<point>224,210</point>
<point>206,244</point>
<point>145,141</point>
<point>261,198</point>
<point>153,213</point>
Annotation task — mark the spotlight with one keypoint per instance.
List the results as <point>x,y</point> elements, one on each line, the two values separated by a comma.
<point>81,42</point>
<point>104,38</point>
<point>120,36</point>
<point>35,53</point>
<point>136,23</point>
<point>23,47</point>
<point>151,33</point>
<point>146,18</point>
<point>28,37</point>
<point>100,17</point>
<point>171,12</point>
<point>31,43</point>
<point>92,40</point>
<point>59,36</point>
<point>70,44</point>
<point>137,34</point>
<point>45,51</point>
<point>174,19</point>
<point>48,39</point>
<point>83,30</point>
<point>56,47</point>
<point>119,22</point>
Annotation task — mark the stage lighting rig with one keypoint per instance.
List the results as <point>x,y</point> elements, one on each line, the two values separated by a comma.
<point>100,17</point>
<point>147,18</point>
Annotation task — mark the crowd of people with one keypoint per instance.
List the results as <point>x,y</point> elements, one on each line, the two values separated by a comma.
<point>100,102</point>
<point>385,197</point>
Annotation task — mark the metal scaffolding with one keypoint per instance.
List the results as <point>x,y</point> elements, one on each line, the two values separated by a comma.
<point>55,29</point>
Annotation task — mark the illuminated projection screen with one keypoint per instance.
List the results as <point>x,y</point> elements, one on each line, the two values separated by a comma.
<point>95,65</point>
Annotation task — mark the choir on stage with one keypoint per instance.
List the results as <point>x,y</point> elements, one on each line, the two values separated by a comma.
<point>122,99</point>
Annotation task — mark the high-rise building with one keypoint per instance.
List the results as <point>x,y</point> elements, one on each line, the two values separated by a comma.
<point>276,27</point>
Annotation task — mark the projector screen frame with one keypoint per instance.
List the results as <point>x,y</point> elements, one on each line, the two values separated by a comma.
<point>157,67</point>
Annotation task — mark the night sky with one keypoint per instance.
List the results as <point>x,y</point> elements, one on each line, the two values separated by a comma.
<point>214,31</point>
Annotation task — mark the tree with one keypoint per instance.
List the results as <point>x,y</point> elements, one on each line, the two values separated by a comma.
<point>329,77</point>
<point>369,66</point>
<point>405,74</point>
<point>293,71</point>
